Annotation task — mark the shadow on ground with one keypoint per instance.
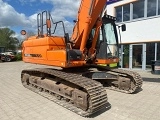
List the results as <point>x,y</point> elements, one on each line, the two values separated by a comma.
<point>151,79</point>
<point>108,106</point>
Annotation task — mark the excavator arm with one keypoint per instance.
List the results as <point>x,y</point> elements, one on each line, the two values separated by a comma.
<point>89,15</point>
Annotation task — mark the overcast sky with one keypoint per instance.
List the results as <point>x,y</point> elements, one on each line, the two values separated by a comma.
<point>22,14</point>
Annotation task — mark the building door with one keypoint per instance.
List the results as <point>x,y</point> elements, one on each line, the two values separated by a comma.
<point>137,56</point>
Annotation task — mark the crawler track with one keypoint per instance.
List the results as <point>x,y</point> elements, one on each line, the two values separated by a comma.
<point>135,78</point>
<point>116,79</point>
<point>96,94</point>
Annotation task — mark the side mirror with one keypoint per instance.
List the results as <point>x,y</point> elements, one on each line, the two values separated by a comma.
<point>123,27</point>
<point>48,23</point>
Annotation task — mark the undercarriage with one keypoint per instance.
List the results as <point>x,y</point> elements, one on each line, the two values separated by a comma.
<point>81,92</point>
<point>117,79</point>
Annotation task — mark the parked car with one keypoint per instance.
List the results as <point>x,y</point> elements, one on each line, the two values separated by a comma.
<point>7,56</point>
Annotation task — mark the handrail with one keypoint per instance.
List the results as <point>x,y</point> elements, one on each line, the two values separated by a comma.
<point>40,23</point>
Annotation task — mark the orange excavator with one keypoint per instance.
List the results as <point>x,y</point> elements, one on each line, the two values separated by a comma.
<point>83,60</point>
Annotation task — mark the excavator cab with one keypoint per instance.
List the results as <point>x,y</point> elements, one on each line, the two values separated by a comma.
<point>108,43</point>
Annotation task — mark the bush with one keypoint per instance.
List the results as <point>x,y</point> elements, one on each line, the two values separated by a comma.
<point>18,57</point>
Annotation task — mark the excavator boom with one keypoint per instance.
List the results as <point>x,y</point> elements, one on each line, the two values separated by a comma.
<point>89,14</point>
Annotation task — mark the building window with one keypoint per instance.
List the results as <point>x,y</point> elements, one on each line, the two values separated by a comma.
<point>126,12</point>
<point>138,9</point>
<point>158,51</point>
<point>150,53</point>
<point>126,56</point>
<point>158,7</point>
<point>151,8</point>
<point>119,13</point>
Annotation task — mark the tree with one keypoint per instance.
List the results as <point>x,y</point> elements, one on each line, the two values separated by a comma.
<point>7,39</point>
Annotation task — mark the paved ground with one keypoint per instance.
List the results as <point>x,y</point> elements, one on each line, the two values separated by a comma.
<point>18,103</point>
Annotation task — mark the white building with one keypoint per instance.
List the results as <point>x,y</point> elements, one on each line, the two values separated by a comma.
<point>140,42</point>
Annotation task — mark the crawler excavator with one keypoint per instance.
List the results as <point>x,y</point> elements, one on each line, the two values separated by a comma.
<point>84,58</point>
